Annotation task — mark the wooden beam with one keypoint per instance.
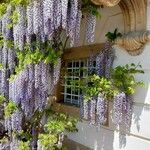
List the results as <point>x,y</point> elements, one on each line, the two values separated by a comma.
<point>82,51</point>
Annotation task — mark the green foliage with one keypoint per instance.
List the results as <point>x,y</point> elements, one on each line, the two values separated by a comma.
<point>47,134</point>
<point>24,145</point>
<point>48,141</point>
<point>113,36</point>
<point>24,136</point>
<point>123,77</point>
<point>89,7</point>
<point>9,43</point>
<point>3,7</point>
<point>14,19</point>
<point>2,99</point>
<point>9,109</point>
<point>19,2</point>
<point>15,16</point>
<point>94,85</point>
<point>68,122</point>
<point>1,67</point>
<point>3,140</point>
<point>57,124</point>
<point>43,52</point>
<point>122,80</point>
<point>14,4</point>
<point>1,40</point>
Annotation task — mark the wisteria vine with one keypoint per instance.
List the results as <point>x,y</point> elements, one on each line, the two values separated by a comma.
<point>29,72</point>
<point>96,108</point>
<point>105,83</point>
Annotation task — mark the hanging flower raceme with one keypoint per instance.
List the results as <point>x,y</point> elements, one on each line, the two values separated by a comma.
<point>102,106</point>
<point>86,108</point>
<point>64,4</point>
<point>31,81</point>
<point>20,27</point>
<point>38,20</point>
<point>119,101</point>
<point>37,75</point>
<point>11,60</point>
<point>109,63</point>
<point>6,21</point>
<point>128,111</point>
<point>48,17</point>
<point>57,14</point>
<point>123,105</point>
<point>4,83</point>
<point>95,107</point>
<point>100,62</point>
<point>93,111</point>
<point>71,20</point>
<point>44,76</point>
<point>57,68</point>
<point>30,30</point>
<point>4,55</point>
<point>16,123</point>
<point>77,28</point>
<point>28,81</point>
<point>90,64</point>
<point>90,28</point>
<point>36,17</point>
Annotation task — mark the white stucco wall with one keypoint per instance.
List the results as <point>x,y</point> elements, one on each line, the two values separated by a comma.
<point>107,138</point>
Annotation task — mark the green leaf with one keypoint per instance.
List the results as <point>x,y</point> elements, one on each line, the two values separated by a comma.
<point>2,99</point>
<point>3,7</point>
<point>9,109</point>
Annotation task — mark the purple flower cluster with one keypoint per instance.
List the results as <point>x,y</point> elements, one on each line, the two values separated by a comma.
<point>16,121</point>
<point>86,108</point>
<point>37,22</point>
<point>64,4</point>
<point>57,14</point>
<point>56,71</point>
<point>128,111</point>
<point>90,28</point>
<point>20,29</point>
<point>31,87</point>
<point>71,20</point>
<point>77,28</point>
<point>123,105</point>
<point>30,30</point>
<point>48,17</point>
<point>104,60</point>
<point>5,146</point>
<point>44,17</point>
<point>100,63</point>
<point>102,105</point>
<point>6,32</point>
<point>11,60</point>
<point>119,100</point>
<point>94,110</point>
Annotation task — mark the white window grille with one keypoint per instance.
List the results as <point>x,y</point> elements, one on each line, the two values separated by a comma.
<point>75,70</point>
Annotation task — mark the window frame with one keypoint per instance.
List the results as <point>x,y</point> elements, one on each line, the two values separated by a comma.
<point>76,53</point>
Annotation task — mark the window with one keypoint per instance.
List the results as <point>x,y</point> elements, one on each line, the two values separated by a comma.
<point>75,70</point>
<point>73,59</point>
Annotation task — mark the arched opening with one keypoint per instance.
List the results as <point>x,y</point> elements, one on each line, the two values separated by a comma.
<point>135,14</point>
